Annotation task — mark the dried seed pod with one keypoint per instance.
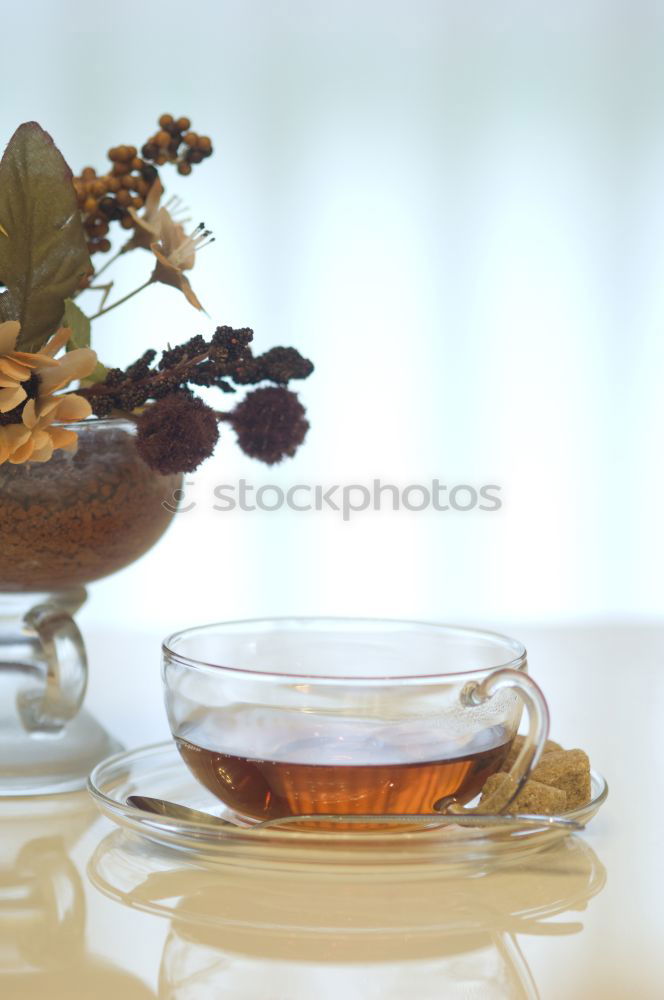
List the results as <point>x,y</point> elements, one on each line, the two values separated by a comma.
<point>177,433</point>
<point>270,424</point>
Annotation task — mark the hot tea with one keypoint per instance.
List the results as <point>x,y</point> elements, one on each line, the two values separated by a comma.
<point>292,717</point>
<point>341,776</point>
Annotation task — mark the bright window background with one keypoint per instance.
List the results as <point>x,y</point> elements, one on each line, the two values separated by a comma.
<point>456,210</point>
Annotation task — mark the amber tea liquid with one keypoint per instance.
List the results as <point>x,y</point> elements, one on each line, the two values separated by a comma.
<point>326,776</point>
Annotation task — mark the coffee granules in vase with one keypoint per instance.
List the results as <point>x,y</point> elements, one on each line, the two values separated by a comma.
<point>80,517</point>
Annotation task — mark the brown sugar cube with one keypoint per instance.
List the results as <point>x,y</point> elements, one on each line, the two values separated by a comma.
<point>549,746</point>
<point>568,770</point>
<point>495,787</point>
<point>534,797</point>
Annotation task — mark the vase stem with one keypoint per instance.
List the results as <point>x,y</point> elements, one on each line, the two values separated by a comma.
<point>48,743</point>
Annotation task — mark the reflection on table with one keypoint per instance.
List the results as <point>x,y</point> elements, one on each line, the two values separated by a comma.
<point>42,905</point>
<point>253,935</point>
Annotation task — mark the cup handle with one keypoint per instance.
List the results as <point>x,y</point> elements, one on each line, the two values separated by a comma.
<point>476,693</point>
<point>58,699</point>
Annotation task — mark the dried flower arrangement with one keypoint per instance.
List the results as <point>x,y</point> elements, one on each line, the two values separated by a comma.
<point>51,225</point>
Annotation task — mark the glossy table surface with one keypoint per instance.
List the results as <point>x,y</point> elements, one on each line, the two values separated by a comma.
<point>86,911</point>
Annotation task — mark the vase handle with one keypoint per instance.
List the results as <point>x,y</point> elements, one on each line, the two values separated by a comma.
<point>476,693</point>
<point>49,708</point>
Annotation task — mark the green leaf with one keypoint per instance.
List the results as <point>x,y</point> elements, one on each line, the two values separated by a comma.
<point>43,251</point>
<point>98,374</point>
<point>78,323</point>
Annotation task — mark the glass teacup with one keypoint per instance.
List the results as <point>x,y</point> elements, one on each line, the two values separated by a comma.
<point>346,717</point>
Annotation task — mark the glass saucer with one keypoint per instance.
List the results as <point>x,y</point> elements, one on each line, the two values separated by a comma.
<point>159,771</point>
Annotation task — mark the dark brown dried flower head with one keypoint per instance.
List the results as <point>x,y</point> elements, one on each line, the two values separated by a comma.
<point>225,359</point>
<point>177,433</point>
<point>270,424</point>
<point>281,364</point>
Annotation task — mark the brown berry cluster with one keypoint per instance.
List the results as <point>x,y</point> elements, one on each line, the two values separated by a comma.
<point>174,142</point>
<point>106,198</point>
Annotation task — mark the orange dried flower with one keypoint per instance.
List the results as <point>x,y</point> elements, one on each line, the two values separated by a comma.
<point>32,436</point>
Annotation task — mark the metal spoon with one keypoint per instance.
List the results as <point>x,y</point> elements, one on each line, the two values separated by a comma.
<point>174,810</point>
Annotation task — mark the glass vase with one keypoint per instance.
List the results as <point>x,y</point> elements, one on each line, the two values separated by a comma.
<point>63,524</point>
